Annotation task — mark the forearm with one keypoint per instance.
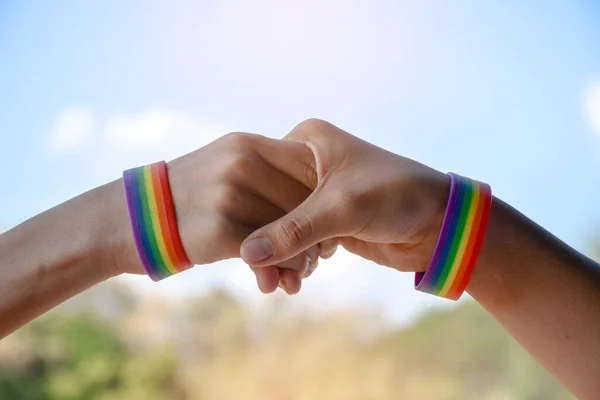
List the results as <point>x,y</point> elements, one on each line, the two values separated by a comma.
<point>545,294</point>
<point>61,252</point>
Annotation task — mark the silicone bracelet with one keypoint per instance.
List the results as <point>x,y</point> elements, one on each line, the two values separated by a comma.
<point>153,222</point>
<point>459,241</point>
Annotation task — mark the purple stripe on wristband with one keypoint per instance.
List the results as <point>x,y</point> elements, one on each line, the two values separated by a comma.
<point>134,226</point>
<point>443,232</point>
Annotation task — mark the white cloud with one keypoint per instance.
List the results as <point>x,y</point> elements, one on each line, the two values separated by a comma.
<point>123,141</point>
<point>154,129</point>
<point>129,140</point>
<point>592,105</point>
<point>145,132</point>
<point>72,129</point>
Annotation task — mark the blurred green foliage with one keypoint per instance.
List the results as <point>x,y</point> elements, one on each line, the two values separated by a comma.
<point>213,347</point>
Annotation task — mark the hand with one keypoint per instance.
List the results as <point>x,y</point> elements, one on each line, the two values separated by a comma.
<point>381,206</point>
<point>231,187</point>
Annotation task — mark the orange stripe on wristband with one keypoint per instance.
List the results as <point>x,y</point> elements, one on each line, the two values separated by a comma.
<point>459,241</point>
<point>152,216</point>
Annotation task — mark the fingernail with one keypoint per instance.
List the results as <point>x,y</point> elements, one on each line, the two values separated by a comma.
<point>256,250</point>
<point>312,254</point>
<point>310,269</point>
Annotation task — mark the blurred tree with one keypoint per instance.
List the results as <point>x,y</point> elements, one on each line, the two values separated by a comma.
<point>208,347</point>
<point>74,353</point>
<point>71,357</point>
<point>465,345</point>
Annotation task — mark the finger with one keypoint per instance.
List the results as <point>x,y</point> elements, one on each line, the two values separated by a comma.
<point>221,235</point>
<point>376,252</point>
<point>311,268</point>
<point>299,263</point>
<point>290,281</point>
<point>313,259</point>
<point>292,158</point>
<point>317,133</point>
<point>358,247</point>
<point>313,253</point>
<point>314,221</point>
<point>242,206</point>
<point>276,187</point>
<point>268,166</point>
<point>267,278</point>
<point>329,247</point>
<point>237,213</point>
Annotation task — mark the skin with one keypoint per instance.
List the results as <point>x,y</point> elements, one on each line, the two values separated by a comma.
<point>281,204</point>
<point>389,209</point>
<point>222,193</point>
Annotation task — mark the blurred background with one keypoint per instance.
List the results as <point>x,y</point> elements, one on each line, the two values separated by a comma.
<point>505,92</point>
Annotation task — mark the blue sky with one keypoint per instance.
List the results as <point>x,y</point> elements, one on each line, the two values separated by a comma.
<point>499,91</point>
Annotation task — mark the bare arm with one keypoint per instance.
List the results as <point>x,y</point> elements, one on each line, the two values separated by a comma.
<point>222,192</point>
<point>545,294</point>
<point>60,253</point>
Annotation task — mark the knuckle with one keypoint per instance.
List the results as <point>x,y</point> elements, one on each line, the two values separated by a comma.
<point>239,140</point>
<point>226,236</point>
<point>222,227</point>
<point>308,127</point>
<point>237,166</point>
<point>313,123</point>
<point>294,231</point>
<point>228,199</point>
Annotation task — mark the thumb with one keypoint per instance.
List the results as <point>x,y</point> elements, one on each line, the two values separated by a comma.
<point>313,221</point>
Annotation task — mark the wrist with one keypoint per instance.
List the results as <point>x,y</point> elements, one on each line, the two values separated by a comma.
<point>112,239</point>
<point>435,193</point>
<point>505,244</point>
<point>459,241</point>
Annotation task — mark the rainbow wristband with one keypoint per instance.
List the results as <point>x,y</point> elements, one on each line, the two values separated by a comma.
<point>460,239</point>
<point>153,221</point>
